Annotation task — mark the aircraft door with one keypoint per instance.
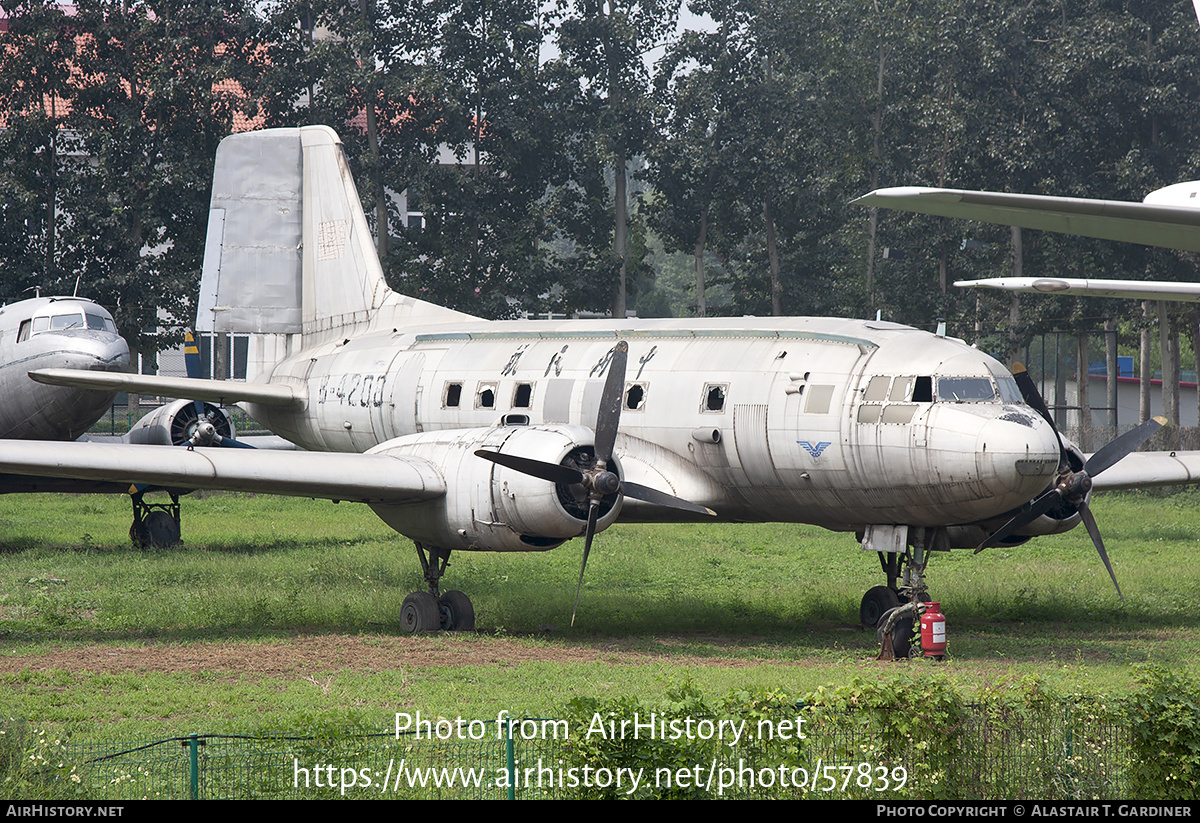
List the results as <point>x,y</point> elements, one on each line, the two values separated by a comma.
<point>401,395</point>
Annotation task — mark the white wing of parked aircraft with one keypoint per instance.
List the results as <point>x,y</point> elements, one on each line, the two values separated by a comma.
<point>1168,217</point>
<point>1091,287</point>
<point>472,435</point>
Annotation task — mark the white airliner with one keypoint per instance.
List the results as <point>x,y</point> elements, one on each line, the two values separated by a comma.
<point>1168,217</point>
<point>55,332</point>
<point>472,435</point>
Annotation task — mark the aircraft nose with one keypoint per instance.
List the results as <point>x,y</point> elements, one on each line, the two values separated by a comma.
<point>99,351</point>
<point>1017,454</point>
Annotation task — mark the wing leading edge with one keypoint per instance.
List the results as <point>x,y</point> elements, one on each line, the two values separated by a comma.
<point>1152,223</point>
<point>223,392</point>
<point>366,478</point>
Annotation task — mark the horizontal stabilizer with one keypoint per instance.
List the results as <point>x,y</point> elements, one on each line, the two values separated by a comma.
<point>1152,224</point>
<point>222,392</point>
<point>367,478</point>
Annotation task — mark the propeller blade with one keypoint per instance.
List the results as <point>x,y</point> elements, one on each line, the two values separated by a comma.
<point>1040,506</point>
<point>609,416</point>
<point>1123,445</point>
<point>1033,399</point>
<point>1029,391</point>
<point>1085,512</point>
<point>552,472</point>
<point>587,548</point>
<point>649,495</point>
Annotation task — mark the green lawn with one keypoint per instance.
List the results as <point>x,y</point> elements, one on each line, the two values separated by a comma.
<point>277,611</point>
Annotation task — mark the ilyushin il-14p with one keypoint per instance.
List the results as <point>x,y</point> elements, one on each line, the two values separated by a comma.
<point>78,334</point>
<point>471,435</point>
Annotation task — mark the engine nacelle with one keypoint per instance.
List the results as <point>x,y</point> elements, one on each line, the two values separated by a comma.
<point>489,507</point>
<point>174,423</point>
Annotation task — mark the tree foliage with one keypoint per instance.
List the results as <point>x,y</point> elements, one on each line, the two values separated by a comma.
<point>542,179</point>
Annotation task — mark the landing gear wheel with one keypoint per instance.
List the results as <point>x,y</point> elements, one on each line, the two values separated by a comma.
<point>161,530</point>
<point>420,613</point>
<point>457,613</point>
<point>875,602</point>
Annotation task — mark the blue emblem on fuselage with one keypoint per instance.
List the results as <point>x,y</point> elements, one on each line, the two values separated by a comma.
<point>816,450</point>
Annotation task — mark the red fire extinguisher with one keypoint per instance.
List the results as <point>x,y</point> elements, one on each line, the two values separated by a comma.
<point>933,631</point>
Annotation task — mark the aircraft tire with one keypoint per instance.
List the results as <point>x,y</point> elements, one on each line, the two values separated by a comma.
<point>902,638</point>
<point>162,530</point>
<point>420,613</point>
<point>875,602</point>
<point>158,531</point>
<point>457,613</point>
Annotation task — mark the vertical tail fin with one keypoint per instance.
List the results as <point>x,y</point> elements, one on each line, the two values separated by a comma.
<point>288,248</point>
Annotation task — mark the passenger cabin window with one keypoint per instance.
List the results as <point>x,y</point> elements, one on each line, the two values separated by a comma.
<point>714,397</point>
<point>523,396</point>
<point>635,396</point>
<point>486,398</point>
<point>453,395</point>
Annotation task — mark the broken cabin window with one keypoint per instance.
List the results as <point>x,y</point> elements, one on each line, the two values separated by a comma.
<point>714,397</point>
<point>453,395</point>
<point>635,396</point>
<point>486,398</point>
<point>523,396</point>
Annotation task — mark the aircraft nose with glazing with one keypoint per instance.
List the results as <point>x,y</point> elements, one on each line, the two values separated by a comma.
<point>1017,454</point>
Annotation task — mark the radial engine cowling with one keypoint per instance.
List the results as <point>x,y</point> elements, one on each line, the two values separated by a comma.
<point>175,423</point>
<point>489,507</point>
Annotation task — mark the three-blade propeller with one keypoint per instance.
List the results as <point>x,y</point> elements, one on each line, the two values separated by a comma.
<point>598,481</point>
<point>1072,487</point>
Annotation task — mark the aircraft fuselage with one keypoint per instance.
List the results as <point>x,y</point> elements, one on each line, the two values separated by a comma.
<point>54,332</point>
<point>840,423</point>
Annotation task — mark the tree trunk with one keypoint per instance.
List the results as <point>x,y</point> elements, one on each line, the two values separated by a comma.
<point>1112,367</point>
<point>698,257</point>
<point>1085,400</point>
<point>1144,368</point>
<point>773,259</point>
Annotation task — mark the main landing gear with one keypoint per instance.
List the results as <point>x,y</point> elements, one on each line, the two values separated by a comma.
<point>155,525</point>
<point>430,612</point>
<point>903,553</point>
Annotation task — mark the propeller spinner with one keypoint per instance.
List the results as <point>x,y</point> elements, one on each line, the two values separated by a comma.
<point>597,481</point>
<point>1072,486</point>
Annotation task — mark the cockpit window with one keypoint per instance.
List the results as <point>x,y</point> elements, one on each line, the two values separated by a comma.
<point>965,389</point>
<point>1009,392</point>
<point>100,322</point>
<point>66,321</point>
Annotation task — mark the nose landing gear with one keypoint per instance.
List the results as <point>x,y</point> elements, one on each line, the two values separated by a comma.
<point>893,609</point>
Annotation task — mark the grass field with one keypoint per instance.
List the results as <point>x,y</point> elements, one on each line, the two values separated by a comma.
<point>278,612</point>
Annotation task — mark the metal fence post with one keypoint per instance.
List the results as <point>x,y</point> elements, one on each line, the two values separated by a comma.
<point>510,755</point>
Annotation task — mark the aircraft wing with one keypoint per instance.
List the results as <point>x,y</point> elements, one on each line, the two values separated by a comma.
<point>1153,224</point>
<point>1145,469</point>
<point>222,392</point>
<point>1134,289</point>
<point>367,478</point>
